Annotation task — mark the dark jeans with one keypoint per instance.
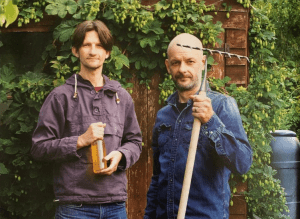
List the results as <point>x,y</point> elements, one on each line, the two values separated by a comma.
<point>103,211</point>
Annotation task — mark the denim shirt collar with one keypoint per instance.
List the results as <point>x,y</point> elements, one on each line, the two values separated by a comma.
<point>174,97</point>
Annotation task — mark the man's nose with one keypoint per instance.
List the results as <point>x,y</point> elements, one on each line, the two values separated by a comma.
<point>93,50</point>
<point>182,67</point>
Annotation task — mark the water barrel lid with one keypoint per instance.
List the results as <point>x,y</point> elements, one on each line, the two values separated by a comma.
<point>283,133</point>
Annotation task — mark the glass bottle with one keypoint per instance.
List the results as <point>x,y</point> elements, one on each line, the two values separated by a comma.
<point>98,153</point>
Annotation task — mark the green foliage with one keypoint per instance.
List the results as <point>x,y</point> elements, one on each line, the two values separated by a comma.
<point>142,34</point>
<point>270,102</point>
<point>26,181</point>
<point>61,7</point>
<point>30,10</point>
<point>287,42</point>
<point>8,12</point>
<point>287,47</point>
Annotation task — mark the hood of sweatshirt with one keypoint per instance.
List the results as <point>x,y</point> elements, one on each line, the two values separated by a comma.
<point>110,87</point>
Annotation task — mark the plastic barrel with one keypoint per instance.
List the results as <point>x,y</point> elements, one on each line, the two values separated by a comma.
<point>286,160</point>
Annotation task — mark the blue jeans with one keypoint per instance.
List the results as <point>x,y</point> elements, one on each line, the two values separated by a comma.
<point>115,210</point>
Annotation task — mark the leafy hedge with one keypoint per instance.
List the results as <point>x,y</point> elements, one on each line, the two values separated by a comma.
<point>142,34</point>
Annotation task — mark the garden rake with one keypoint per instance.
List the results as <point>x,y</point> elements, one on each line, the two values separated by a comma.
<point>195,136</point>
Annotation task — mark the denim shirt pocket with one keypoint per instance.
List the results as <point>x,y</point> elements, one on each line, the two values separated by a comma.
<point>188,134</point>
<point>164,136</point>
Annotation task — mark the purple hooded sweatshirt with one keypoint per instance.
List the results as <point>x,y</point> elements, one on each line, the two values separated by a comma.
<point>64,117</point>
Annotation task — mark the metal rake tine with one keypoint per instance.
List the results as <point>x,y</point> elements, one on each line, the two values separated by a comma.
<point>197,48</point>
<point>216,51</point>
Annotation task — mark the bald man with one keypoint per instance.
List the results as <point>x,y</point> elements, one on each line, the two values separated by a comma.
<point>222,148</point>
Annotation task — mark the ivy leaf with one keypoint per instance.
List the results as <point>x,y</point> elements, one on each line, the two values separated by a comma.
<point>155,49</point>
<point>154,26</point>
<point>10,15</point>
<point>271,59</point>
<point>109,15</point>
<point>162,5</point>
<point>6,74</point>
<point>277,103</point>
<point>151,41</point>
<point>193,17</point>
<point>206,18</point>
<point>137,65</point>
<point>244,118</point>
<point>120,61</point>
<point>61,58</point>
<point>268,171</point>
<point>144,62</point>
<point>3,169</point>
<point>11,150</point>
<point>162,14</point>
<point>268,35</point>
<point>64,31</point>
<point>272,95</point>
<point>6,142</point>
<point>74,59</point>
<point>12,116</point>
<point>61,7</point>
<point>24,128</point>
<point>119,58</point>
<point>210,60</point>
<point>152,64</point>
<point>51,9</point>
<point>265,51</point>
<point>243,101</point>
<point>71,6</point>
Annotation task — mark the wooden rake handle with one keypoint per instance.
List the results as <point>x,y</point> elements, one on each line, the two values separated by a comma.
<point>189,166</point>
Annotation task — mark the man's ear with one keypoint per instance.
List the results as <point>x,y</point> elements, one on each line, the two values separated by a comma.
<point>107,54</point>
<point>75,52</point>
<point>167,65</point>
<point>203,61</point>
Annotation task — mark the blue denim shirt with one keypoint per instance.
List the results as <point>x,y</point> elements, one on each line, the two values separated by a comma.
<point>222,148</point>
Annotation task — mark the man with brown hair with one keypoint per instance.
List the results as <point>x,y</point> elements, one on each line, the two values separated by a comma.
<point>87,108</point>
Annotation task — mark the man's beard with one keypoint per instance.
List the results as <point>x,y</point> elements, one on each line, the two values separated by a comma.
<point>194,83</point>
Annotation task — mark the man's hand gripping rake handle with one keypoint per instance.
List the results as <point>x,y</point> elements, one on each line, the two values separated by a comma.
<point>191,156</point>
